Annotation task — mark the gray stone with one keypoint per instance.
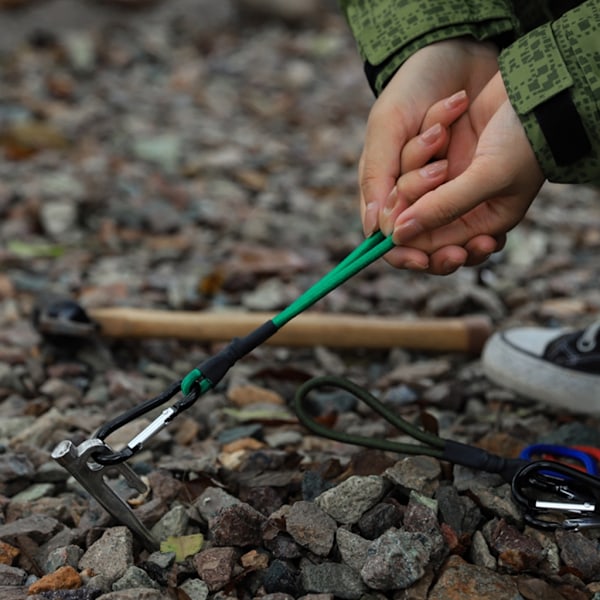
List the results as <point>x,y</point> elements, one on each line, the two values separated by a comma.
<point>134,594</point>
<point>269,296</point>
<point>460,512</point>
<point>349,500</point>
<point>516,551</point>
<point>281,439</point>
<point>462,581</point>
<point>215,566</point>
<point>579,553</point>
<point>58,216</point>
<point>237,525</point>
<point>196,589</point>
<point>379,519</point>
<point>39,527</point>
<point>353,548</point>
<point>13,592</point>
<point>65,556</point>
<point>12,575</point>
<point>134,577</point>
<point>41,430</point>
<point>396,560</point>
<point>571,434</point>
<point>212,500</point>
<point>282,578</point>
<point>311,527</point>
<point>34,492</point>
<point>499,501</point>
<point>421,517</point>
<point>163,560</point>
<point>101,583</point>
<point>254,430</point>
<point>332,578</point>
<point>465,479</point>
<point>14,466</point>
<point>420,473</point>
<point>111,555</point>
<point>51,472</point>
<point>480,552</point>
<point>173,523</point>
<point>162,150</point>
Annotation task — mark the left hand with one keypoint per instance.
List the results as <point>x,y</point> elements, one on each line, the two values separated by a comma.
<point>492,178</point>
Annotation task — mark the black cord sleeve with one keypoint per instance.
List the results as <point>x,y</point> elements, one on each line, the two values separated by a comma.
<point>217,366</point>
<point>481,460</point>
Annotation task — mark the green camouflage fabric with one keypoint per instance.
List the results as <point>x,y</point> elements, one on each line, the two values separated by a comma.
<point>389,31</point>
<point>562,54</point>
<point>541,55</point>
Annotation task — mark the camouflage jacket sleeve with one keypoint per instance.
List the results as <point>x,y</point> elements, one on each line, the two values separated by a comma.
<point>552,76</point>
<point>389,31</point>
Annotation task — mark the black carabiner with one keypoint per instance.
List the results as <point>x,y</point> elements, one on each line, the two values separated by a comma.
<point>113,458</point>
<point>554,495</point>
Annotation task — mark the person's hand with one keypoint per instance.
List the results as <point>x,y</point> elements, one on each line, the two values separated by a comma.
<point>491,179</point>
<point>421,175</point>
<point>433,73</point>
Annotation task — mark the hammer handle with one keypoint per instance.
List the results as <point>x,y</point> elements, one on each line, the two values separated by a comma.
<point>465,334</point>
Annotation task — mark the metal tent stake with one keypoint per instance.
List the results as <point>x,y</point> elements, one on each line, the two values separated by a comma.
<point>79,461</point>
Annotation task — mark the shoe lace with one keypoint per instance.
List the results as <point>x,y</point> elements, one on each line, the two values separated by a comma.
<point>587,340</point>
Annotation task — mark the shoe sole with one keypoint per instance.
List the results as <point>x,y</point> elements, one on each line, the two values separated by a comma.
<point>535,378</point>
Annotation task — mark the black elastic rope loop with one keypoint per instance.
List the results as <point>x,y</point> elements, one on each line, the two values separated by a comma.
<point>187,401</point>
<point>113,458</point>
<point>138,411</point>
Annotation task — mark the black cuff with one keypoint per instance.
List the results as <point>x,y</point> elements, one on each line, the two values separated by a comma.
<point>560,7</point>
<point>563,129</point>
<point>372,72</point>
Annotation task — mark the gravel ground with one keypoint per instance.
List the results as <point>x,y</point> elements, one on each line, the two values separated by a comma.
<point>181,165</point>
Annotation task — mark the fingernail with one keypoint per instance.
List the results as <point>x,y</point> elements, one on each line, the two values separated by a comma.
<point>433,169</point>
<point>432,134</point>
<point>456,99</point>
<point>370,219</point>
<point>449,266</point>
<point>406,231</point>
<point>416,266</point>
<point>390,202</point>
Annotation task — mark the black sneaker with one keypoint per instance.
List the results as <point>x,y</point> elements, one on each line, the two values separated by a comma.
<point>554,366</point>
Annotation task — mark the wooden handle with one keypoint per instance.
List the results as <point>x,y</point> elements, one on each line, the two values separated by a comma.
<point>466,334</point>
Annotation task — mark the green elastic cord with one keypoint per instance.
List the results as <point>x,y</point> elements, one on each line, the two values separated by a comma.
<point>194,376</point>
<point>371,249</point>
<point>363,255</point>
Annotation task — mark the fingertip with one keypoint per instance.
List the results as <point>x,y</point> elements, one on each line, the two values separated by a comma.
<point>406,231</point>
<point>456,100</point>
<point>447,260</point>
<point>434,170</point>
<point>370,219</point>
<point>408,258</point>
